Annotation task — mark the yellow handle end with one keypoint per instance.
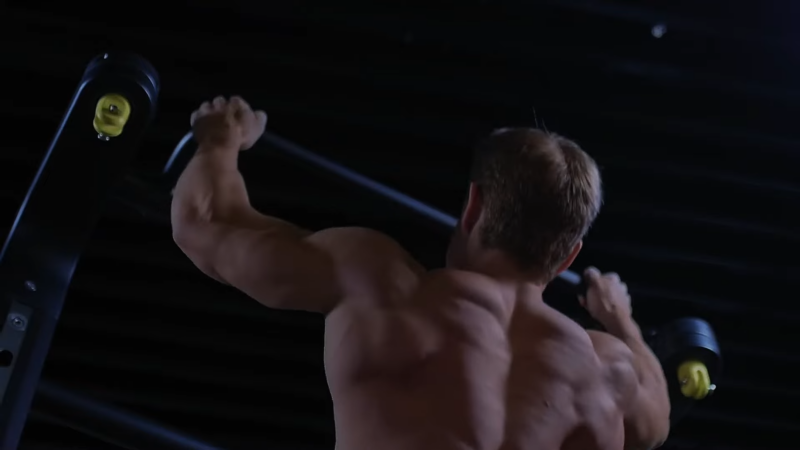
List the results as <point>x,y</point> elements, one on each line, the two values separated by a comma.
<point>694,379</point>
<point>111,115</point>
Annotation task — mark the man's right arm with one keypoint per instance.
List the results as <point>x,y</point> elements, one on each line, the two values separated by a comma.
<point>638,375</point>
<point>647,407</point>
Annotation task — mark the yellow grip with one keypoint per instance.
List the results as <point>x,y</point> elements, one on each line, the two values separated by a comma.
<point>694,379</point>
<point>111,115</point>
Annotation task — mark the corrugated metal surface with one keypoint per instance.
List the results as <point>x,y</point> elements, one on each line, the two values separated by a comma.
<point>695,131</point>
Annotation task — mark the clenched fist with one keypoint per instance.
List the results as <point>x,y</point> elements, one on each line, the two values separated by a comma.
<point>607,298</point>
<point>229,124</point>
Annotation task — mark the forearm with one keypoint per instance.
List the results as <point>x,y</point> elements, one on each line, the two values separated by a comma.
<point>210,201</point>
<point>211,189</point>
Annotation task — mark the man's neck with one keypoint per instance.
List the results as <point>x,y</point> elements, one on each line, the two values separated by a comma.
<point>504,270</point>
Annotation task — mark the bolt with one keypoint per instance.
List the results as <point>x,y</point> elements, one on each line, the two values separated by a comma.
<point>103,137</point>
<point>659,30</point>
<point>29,285</point>
<point>17,321</point>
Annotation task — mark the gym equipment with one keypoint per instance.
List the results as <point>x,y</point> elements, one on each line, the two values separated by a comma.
<point>51,228</point>
<point>688,349</point>
<point>97,138</point>
<point>38,260</point>
<point>108,423</point>
<point>691,359</point>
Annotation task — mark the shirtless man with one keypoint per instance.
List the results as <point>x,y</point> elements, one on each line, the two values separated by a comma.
<point>465,357</point>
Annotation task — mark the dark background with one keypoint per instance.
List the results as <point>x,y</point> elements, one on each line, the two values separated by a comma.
<point>696,133</point>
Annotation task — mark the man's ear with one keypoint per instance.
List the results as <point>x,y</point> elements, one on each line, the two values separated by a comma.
<point>472,210</point>
<point>571,258</point>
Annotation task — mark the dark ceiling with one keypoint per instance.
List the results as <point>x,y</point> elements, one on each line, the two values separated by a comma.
<point>696,133</point>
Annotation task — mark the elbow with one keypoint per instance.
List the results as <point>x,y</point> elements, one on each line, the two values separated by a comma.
<point>191,232</point>
<point>196,246</point>
<point>658,433</point>
<point>662,432</point>
<point>180,234</point>
<point>659,437</point>
<point>658,426</point>
<point>190,228</point>
<point>662,423</point>
<point>649,430</point>
<point>184,235</point>
<point>194,241</point>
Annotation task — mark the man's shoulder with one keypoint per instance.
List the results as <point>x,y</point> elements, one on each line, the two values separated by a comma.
<point>364,253</point>
<point>354,240</point>
<point>609,348</point>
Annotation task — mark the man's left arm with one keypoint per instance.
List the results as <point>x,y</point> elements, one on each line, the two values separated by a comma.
<point>273,261</point>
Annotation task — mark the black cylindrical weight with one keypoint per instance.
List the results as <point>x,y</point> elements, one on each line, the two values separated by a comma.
<point>689,339</point>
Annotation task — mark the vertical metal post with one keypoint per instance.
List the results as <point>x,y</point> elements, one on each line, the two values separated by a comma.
<point>95,141</point>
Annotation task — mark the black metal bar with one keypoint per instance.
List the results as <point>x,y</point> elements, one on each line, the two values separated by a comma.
<point>107,423</point>
<point>180,157</point>
<point>57,217</point>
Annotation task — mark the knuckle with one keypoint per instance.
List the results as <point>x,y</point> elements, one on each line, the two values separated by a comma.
<point>612,277</point>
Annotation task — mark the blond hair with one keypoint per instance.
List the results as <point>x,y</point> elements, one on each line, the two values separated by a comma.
<point>541,194</point>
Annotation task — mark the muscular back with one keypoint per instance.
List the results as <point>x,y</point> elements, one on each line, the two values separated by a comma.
<point>560,394</point>
<point>461,363</point>
<point>432,360</point>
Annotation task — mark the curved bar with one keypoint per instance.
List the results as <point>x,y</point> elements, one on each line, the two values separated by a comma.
<point>307,156</point>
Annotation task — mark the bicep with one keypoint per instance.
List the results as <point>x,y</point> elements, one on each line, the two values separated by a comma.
<point>278,268</point>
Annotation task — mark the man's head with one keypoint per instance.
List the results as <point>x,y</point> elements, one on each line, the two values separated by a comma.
<point>532,197</point>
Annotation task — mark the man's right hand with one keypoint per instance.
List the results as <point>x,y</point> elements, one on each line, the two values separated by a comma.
<point>606,298</point>
<point>228,124</point>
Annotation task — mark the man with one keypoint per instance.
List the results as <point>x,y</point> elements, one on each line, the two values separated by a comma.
<point>466,357</point>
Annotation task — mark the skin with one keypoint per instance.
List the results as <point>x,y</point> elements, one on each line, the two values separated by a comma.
<point>465,357</point>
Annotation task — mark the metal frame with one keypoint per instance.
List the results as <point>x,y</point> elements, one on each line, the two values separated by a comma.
<point>47,238</point>
<point>107,423</point>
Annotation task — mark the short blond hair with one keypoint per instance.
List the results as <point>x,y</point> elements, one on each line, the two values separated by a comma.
<point>541,194</point>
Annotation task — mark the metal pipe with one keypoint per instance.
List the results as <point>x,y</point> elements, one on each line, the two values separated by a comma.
<point>108,423</point>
